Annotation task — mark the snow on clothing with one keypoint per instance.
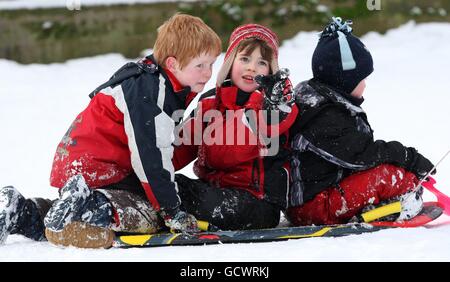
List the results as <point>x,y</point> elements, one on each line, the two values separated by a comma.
<point>121,206</point>
<point>133,213</point>
<point>340,59</point>
<point>332,141</point>
<point>19,215</point>
<point>340,203</point>
<point>227,208</point>
<point>236,166</point>
<point>126,128</point>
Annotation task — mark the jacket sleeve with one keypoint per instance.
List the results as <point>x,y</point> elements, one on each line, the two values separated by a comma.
<point>273,127</point>
<point>187,146</point>
<point>270,123</point>
<point>190,136</point>
<point>334,131</point>
<point>150,133</point>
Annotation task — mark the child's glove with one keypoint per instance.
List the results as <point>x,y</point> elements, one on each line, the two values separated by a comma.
<point>418,164</point>
<point>278,92</point>
<point>180,221</point>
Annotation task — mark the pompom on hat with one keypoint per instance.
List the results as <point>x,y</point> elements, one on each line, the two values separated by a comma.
<point>244,32</point>
<point>340,59</point>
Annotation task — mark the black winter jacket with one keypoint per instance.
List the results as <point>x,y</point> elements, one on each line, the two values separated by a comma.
<point>332,139</point>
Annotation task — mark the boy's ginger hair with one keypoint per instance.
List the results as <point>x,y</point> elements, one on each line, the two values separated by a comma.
<point>185,37</point>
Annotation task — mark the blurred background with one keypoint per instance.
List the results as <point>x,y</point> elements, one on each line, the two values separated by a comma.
<point>46,31</point>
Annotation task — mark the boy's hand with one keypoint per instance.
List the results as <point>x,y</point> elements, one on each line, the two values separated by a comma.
<point>419,165</point>
<point>278,92</point>
<point>180,221</point>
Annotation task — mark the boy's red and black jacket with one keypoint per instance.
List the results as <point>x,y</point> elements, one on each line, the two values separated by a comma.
<point>230,153</point>
<point>338,140</point>
<point>126,128</point>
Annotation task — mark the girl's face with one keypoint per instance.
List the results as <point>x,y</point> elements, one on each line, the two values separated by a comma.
<point>246,67</point>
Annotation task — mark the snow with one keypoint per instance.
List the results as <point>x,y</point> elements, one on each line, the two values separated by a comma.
<point>407,99</point>
<point>71,4</point>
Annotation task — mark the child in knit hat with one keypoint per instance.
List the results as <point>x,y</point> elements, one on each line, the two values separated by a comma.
<point>239,186</point>
<point>338,169</point>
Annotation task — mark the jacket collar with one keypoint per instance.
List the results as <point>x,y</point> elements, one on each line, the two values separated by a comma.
<point>177,87</point>
<point>334,96</point>
<point>353,100</point>
<point>233,98</point>
<point>183,93</point>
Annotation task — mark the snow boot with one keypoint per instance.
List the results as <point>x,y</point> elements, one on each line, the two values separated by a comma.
<point>21,216</point>
<point>11,206</point>
<point>81,235</point>
<point>72,198</point>
<point>81,217</point>
<point>412,204</point>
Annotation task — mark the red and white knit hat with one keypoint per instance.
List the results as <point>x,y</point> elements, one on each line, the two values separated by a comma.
<point>243,32</point>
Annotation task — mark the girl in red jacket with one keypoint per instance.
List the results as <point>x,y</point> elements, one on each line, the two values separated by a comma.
<point>243,180</point>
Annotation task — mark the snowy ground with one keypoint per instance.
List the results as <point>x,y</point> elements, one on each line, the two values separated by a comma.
<point>407,99</point>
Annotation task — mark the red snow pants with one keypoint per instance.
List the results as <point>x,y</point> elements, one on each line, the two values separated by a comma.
<point>334,205</point>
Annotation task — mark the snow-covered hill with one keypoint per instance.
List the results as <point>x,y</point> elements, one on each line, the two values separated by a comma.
<point>407,99</point>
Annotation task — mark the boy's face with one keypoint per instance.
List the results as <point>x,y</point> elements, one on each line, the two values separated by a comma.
<point>359,89</point>
<point>246,67</point>
<point>196,73</point>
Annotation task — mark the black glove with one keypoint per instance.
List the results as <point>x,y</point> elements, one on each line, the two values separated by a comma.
<point>418,164</point>
<point>180,221</point>
<point>277,89</point>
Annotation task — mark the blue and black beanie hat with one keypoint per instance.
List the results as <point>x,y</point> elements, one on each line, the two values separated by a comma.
<point>340,59</point>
